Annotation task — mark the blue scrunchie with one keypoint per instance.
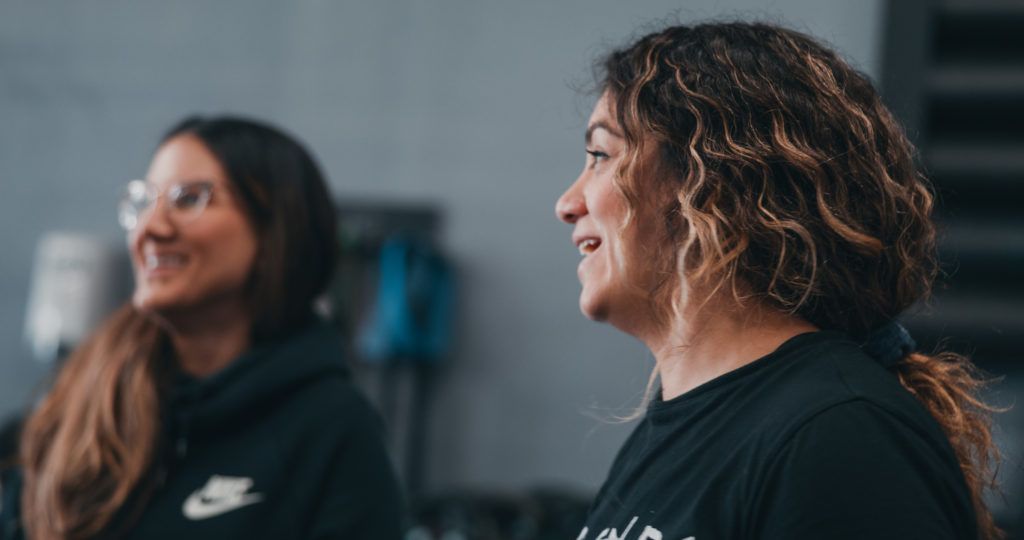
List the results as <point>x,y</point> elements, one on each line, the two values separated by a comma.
<point>889,344</point>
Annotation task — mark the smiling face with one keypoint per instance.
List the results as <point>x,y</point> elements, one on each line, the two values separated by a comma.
<point>186,265</point>
<point>615,285</point>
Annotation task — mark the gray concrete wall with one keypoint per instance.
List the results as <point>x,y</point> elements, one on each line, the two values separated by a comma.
<point>465,104</point>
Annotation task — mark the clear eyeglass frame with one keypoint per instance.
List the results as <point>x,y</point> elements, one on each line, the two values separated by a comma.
<point>184,202</point>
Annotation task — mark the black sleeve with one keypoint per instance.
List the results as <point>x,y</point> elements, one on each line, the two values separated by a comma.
<point>855,471</point>
<point>361,498</point>
<point>10,504</point>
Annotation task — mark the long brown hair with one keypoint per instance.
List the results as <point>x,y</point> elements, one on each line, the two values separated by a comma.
<point>88,446</point>
<point>783,178</point>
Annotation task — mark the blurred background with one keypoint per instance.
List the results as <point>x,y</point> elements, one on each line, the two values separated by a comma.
<point>461,122</point>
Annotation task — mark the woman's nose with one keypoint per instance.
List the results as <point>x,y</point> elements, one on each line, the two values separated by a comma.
<point>155,221</point>
<point>571,205</point>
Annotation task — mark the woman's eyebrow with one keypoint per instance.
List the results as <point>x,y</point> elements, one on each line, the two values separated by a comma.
<point>600,124</point>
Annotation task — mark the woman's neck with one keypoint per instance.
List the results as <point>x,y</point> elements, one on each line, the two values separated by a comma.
<point>690,354</point>
<point>206,343</point>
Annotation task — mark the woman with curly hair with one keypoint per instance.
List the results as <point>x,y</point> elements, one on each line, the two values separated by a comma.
<point>751,211</point>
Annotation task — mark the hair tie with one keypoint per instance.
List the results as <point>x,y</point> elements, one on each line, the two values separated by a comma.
<point>889,344</point>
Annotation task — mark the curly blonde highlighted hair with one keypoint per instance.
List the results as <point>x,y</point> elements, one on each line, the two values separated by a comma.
<point>783,177</point>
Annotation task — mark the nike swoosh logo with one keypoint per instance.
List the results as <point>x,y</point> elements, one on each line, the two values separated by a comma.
<point>197,507</point>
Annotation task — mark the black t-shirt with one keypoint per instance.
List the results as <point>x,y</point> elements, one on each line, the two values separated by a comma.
<point>813,441</point>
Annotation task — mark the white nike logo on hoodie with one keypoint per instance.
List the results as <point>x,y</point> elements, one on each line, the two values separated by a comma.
<point>220,495</point>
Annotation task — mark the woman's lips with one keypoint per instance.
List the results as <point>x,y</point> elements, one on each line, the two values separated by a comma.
<point>161,264</point>
<point>588,246</point>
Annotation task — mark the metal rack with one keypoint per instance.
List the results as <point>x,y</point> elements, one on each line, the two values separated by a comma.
<point>401,388</point>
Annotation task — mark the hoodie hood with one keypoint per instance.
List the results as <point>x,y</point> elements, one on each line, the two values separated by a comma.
<point>258,378</point>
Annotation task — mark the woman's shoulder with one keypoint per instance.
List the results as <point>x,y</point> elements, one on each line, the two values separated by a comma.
<point>828,382</point>
<point>773,397</point>
<point>830,370</point>
<point>848,438</point>
<point>336,398</point>
<point>864,466</point>
<point>321,383</point>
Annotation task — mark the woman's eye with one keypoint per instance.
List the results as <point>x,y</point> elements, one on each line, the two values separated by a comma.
<point>187,198</point>
<point>186,201</point>
<point>596,156</point>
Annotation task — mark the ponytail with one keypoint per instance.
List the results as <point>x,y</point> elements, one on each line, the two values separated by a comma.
<point>948,385</point>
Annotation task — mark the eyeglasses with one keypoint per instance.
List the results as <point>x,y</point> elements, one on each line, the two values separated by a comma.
<point>183,202</point>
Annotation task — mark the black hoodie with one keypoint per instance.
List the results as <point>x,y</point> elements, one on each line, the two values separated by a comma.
<point>278,445</point>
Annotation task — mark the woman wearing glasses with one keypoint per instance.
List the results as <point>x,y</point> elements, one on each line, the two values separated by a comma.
<point>214,404</point>
<point>751,211</point>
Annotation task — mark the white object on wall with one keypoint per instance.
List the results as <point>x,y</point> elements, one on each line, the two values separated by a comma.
<point>74,286</point>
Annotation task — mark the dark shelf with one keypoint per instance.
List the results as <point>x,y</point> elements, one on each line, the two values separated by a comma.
<point>971,82</point>
<point>990,326</point>
<point>970,157</point>
<point>975,118</point>
<point>979,32</point>
<point>977,199</point>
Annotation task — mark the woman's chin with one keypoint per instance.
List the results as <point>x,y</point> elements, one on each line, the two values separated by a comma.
<point>157,304</point>
<point>593,309</point>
